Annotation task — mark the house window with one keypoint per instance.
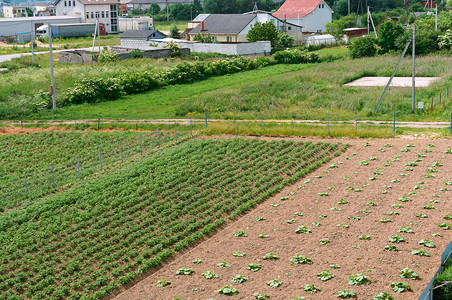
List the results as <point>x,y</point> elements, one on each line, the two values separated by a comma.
<point>92,15</point>
<point>106,14</point>
<point>73,3</point>
<point>97,15</point>
<point>103,15</point>
<point>289,28</point>
<point>65,3</point>
<point>229,39</point>
<point>87,15</point>
<point>69,3</point>
<point>323,5</point>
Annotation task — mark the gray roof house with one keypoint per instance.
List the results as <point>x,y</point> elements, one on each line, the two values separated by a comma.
<point>137,38</point>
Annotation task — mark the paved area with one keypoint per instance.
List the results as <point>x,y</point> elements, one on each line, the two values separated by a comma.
<point>396,82</point>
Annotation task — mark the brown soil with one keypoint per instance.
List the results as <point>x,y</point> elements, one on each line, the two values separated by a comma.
<point>346,249</point>
<point>9,130</point>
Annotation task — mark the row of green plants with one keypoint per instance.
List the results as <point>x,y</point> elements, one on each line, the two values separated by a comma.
<point>89,90</point>
<point>85,242</point>
<point>72,154</point>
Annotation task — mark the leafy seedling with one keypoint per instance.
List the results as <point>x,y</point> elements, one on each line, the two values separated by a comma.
<point>223,264</point>
<point>260,296</point>
<point>238,254</point>
<point>300,260</point>
<point>298,213</point>
<point>311,288</point>
<point>240,233</point>
<point>391,248</point>
<point>358,279</point>
<point>258,219</point>
<point>197,261</point>
<point>163,283</point>
<point>325,275</point>
<point>270,256</point>
<point>396,239</point>
<point>184,271</point>
<point>324,241</point>
<point>346,294</point>
<point>209,275</point>
<point>445,226</point>
<point>427,243</point>
<point>364,237</point>
<point>408,273</point>
<point>274,283</point>
<point>254,267</point>
<point>335,266</point>
<point>303,229</point>
<point>420,252</point>
<point>228,290</point>
<point>291,221</point>
<point>406,229</point>
<point>400,287</point>
<point>239,279</point>
<point>263,236</point>
<point>383,296</point>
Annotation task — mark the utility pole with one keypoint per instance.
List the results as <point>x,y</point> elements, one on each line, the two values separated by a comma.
<point>436,17</point>
<point>32,37</point>
<point>98,32</point>
<point>349,7</point>
<point>167,11</point>
<point>368,21</point>
<point>413,94</point>
<point>52,77</point>
<point>95,32</point>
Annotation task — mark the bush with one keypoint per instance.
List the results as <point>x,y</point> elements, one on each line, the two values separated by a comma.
<point>295,56</point>
<point>445,41</point>
<point>95,90</point>
<point>136,53</point>
<point>175,49</point>
<point>363,47</point>
<point>108,56</point>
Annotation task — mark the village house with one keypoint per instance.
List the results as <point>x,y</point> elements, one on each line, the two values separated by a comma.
<point>91,10</point>
<point>15,11</point>
<point>311,14</point>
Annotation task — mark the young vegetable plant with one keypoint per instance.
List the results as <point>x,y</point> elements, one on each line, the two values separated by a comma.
<point>325,275</point>
<point>228,290</point>
<point>445,226</point>
<point>311,288</point>
<point>260,296</point>
<point>335,266</point>
<point>270,256</point>
<point>391,248</point>
<point>209,275</point>
<point>400,287</point>
<point>223,264</point>
<point>240,233</point>
<point>358,279</point>
<point>254,267</point>
<point>258,219</point>
<point>396,239</point>
<point>184,271</point>
<point>300,260</point>
<point>421,215</point>
<point>298,213</point>
<point>408,273</point>
<point>406,229</point>
<point>263,236</point>
<point>238,254</point>
<point>163,283</point>
<point>274,283</point>
<point>346,294</point>
<point>291,221</point>
<point>427,243</point>
<point>364,237</point>
<point>239,279</point>
<point>383,296</point>
<point>385,220</point>
<point>324,241</point>
<point>303,229</point>
<point>197,261</point>
<point>420,252</point>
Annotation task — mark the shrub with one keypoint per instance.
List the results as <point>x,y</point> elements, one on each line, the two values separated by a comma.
<point>107,56</point>
<point>363,47</point>
<point>95,90</point>
<point>136,53</point>
<point>295,56</point>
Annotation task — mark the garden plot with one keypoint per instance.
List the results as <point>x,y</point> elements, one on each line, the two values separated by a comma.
<point>368,81</point>
<point>372,220</point>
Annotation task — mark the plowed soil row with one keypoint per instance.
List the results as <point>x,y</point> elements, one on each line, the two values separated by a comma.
<point>345,249</point>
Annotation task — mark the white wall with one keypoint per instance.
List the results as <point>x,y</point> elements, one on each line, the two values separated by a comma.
<point>316,20</point>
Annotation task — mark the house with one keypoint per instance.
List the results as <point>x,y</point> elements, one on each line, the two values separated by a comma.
<point>145,4</point>
<point>233,28</point>
<point>139,38</point>
<point>42,9</point>
<point>15,11</point>
<point>136,23</point>
<point>354,32</point>
<point>311,14</point>
<point>91,10</point>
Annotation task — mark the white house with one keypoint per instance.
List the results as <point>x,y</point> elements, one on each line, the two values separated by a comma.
<point>14,11</point>
<point>233,28</point>
<point>91,10</point>
<point>311,14</point>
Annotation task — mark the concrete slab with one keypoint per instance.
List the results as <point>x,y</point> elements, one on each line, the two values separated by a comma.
<point>396,82</point>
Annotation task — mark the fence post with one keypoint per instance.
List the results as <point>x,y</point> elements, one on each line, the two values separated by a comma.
<point>159,136</point>
<point>98,124</point>
<point>431,107</point>
<point>100,158</point>
<point>78,166</point>
<point>122,157</point>
<point>141,145</point>
<point>328,121</point>
<point>451,123</point>
<point>262,119</point>
<point>393,122</point>
<point>356,121</point>
<point>205,115</point>
<point>53,176</point>
<point>191,127</point>
<point>439,97</point>
<point>26,185</point>
<point>291,119</point>
<point>233,119</point>
<point>175,130</point>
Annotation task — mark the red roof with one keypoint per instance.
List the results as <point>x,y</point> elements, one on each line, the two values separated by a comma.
<point>293,9</point>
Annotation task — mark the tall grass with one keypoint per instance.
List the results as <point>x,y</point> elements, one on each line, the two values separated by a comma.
<point>285,129</point>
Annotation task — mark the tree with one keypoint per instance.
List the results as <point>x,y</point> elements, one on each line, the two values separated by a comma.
<point>336,28</point>
<point>363,47</point>
<point>219,6</point>
<point>174,33</point>
<point>263,32</point>
<point>154,9</point>
<point>284,41</point>
<point>445,41</point>
<point>388,33</point>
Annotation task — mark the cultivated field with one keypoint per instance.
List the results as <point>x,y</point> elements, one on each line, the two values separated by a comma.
<point>362,213</point>
<point>109,229</point>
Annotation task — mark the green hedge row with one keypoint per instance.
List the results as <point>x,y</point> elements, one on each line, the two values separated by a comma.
<point>107,89</point>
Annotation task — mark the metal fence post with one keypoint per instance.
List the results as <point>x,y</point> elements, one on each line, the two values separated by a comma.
<point>98,124</point>
<point>159,135</point>
<point>175,130</point>
<point>53,176</point>
<point>100,158</point>
<point>291,119</point>
<point>205,115</point>
<point>78,166</point>
<point>262,119</point>
<point>122,157</point>
<point>356,121</point>
<point>393,122</point>
<point>233,119</point>
<point>328,121</point>
<point>451,123</point>
<point>141,145</point>
<point>191,127</point>
<point>26,185</point>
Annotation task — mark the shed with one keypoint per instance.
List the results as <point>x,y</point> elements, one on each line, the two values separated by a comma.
<point>136,38</point>
<point>326,39</point>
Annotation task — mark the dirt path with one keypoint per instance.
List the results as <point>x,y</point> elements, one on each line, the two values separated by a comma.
<point>345,249</point>
<point>187,121</point>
